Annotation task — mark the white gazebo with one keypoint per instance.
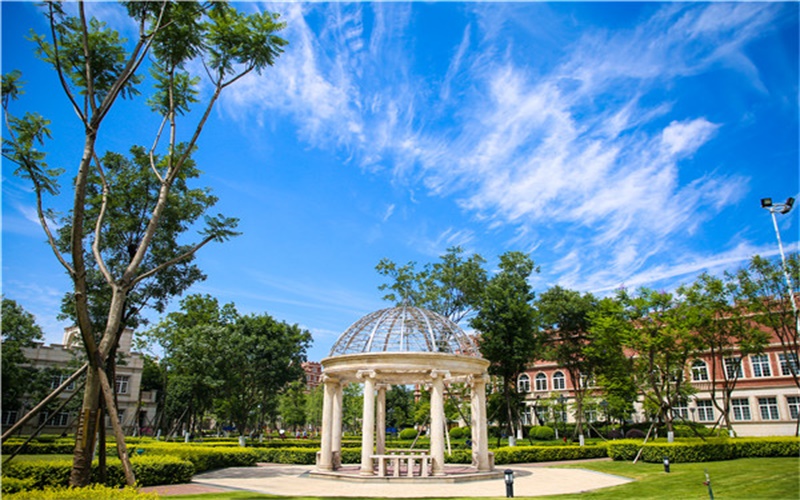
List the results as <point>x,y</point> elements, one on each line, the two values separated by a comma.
<point>401,346</point>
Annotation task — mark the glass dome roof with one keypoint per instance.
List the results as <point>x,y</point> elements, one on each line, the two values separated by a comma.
<point>404,329</point>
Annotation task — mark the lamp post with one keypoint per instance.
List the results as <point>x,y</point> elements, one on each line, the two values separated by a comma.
<point>509,479</point>
<point>561,401</point>
<point>782,208</point>
<point>692,409</point>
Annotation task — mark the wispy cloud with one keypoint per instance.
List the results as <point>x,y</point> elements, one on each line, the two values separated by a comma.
<point>583,145</point>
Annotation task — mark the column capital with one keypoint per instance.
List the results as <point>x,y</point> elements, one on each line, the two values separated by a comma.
<point>443,374</point>
<point>364,374</point>
<point>329,379</point>
<point>473,380</point>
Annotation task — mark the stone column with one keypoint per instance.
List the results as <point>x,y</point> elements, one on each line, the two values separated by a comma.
<point>380,421</point>
<point>336,439</point>
<point>480,437</point>
<point>368,421</point>
<point>437,421</point>
<point>328,396</point>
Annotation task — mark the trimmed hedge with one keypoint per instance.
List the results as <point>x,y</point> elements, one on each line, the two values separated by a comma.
<point>149,471</point>
<point>542,433</point>
<point>409,433</point>
<point>526,454</point>
<point>705,451</point>
<point>89,493</point>
<point>202,458</point>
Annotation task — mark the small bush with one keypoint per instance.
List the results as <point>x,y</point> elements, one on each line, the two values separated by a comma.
<point>89,493</point>
<point>614,434</point>
<point>460,432</point>
<point>409,433</point>
<point>634,434</point>
<point>542,433</point>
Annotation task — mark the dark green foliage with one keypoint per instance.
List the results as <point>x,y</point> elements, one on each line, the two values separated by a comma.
<point>19,330</point>
<point>705,451</point>
<point>542,433</point>
<point>409,433</point>
<point>528,454</point>
<point>13,484</point>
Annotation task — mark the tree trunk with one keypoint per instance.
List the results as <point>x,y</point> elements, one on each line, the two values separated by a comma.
<point>86,432</point>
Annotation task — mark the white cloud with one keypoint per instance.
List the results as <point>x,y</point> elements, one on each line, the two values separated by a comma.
<point>684,138</point>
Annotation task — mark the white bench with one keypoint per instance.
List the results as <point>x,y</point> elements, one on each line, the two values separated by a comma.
<point>409,459</point>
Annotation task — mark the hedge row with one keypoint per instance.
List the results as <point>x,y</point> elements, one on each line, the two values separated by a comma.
<point>705,451</point>
<point>526,454</point>
<point>89,493</point>
<point>202,458</point>
<point>149,471</point>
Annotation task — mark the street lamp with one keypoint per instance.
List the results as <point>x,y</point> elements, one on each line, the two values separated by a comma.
<point>604,405</point>
<point>782,208</point>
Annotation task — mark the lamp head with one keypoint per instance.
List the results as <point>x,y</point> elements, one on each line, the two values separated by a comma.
<point>788,205</point>
<point>766,202</point>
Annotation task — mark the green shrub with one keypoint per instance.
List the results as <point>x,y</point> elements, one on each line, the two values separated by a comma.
<point>460,432</point>
<point>89,493</point>
<point>526,454</point>
<point>409,433</point>
<point>542,433</point>
<point>203,458</point>
<point>14,484</point>
<point>697,450</point>
<point>149,471</point>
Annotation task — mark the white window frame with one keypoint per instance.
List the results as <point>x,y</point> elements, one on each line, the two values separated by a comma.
<point>9,417</point>
<point>768,408</point>
<point>741,409</point>
<point>705,410</point>
<point>122,384</point>
<point>699,371</point>
<point>524,383</point>
<point>541,382</point>
<point>729,368</point>
<point>681,409</point>
<point>761,365</point>
<point>793,402</point>
<point>788,363</point>
<point>559,381</point>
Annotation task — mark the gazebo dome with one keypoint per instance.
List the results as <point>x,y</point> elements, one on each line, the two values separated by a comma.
<point>404,329</point>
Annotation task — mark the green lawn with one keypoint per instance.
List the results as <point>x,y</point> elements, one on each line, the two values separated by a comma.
<point>747,478</point>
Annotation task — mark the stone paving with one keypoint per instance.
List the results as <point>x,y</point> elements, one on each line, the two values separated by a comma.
<point>294,480</point>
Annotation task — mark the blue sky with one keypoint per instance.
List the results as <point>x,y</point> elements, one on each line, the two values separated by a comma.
<point>618,143</point>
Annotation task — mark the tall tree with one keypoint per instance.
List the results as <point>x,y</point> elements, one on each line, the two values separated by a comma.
<point>659,332</point>
<point>95,68</point>
<point>19,330</point>
<point>292,405</point>
<point>451,287</point>
<point>506,321</point>
<point>726,333</point>
<point>565,317</point>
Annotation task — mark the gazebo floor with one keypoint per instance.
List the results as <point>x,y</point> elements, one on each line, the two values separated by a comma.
<point>452,474</point>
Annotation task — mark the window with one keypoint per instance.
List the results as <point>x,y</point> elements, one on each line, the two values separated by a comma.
<point>59,378</point>
<point>788,363</point>
<point>541,414</point>
<point>559,382</point>
<point>587,381</point>
<point>768,408</point>
<point>699,371</point>
<point>122,384</point>
<point>680,410</point>
<point>60,419</point>
<point>541,382</point>
<point>9,418</point>
<point>524,383</point>
<point>794,406</point>
<point>760,364</point>
<point>705,410</point>
<point>741,409</point>
<point>590,415</point>
<point>733,368</point>
<point>526,416</point>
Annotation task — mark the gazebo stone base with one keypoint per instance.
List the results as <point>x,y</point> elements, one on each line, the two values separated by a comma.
<point>453,474</point>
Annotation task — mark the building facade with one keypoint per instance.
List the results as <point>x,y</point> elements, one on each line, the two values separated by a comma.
<point>765,400</point>
<point>137,408</point>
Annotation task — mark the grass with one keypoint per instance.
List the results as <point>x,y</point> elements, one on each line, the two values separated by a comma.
<point>747,478</point>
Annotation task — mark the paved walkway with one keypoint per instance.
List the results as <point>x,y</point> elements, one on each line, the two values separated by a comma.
<point>294,480</point>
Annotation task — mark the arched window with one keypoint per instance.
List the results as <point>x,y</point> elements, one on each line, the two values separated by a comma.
<point>541,382</point>
<point>699,371</point>
<point>524,383</point>
<point>559,382</point>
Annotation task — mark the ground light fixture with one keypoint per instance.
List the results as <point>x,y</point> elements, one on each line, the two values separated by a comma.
<point>509,478</point>
<point>666,464</point>
<point>782,208</point>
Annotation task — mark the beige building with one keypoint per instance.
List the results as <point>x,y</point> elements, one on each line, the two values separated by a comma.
<point>137,408</point>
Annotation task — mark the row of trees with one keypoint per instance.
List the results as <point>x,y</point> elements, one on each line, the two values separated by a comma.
<point>632,345</point>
